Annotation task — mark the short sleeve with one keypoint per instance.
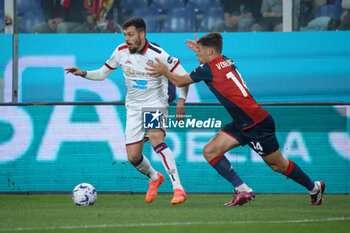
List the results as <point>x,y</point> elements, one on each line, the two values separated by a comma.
<point>114,61</point>
<point>202,72</point>
<point>169,61</point>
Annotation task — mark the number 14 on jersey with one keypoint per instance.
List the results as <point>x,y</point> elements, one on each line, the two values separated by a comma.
<point>230,75</point>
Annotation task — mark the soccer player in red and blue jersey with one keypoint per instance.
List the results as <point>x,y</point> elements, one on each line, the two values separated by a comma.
<point>251,124</point>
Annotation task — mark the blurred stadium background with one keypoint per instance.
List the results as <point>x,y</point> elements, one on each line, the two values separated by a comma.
<point>57,130</point>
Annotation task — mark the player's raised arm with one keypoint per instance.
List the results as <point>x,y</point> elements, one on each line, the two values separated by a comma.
<point>162,69</point>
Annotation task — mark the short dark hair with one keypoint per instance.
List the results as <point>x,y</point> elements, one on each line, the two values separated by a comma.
<point>137,22</point>
<point>212,40</point>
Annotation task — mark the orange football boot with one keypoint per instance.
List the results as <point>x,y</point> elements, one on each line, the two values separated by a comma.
<point>179,196</point>
<point>153,188</point>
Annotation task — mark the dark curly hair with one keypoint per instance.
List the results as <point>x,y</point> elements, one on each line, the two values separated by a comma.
<point>137,22</point>
<point>212,40</point>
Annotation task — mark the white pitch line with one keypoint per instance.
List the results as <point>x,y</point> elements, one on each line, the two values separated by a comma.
<point>172,224</point>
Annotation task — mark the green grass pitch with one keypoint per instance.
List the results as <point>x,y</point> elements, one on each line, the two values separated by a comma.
<point>200,213</point>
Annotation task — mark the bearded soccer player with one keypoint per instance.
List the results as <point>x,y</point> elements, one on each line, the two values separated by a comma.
<point>144,91</point>
<point>251,124</point>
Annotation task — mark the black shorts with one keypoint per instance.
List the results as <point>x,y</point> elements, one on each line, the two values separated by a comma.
<point>261,138</point>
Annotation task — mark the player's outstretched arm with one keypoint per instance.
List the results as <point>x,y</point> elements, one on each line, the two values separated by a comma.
<point>162,69</point>
<point>97,75</point>
<point>76,71</point>
<point>192,44</point>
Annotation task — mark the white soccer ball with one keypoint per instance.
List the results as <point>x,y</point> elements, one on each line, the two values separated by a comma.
<point>84,194</point>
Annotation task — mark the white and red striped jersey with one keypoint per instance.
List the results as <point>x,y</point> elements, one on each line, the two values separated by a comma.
<point>143,90</point>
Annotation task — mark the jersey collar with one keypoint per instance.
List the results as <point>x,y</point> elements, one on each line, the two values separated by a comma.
<point>144,49</point>
<point>217,59</point>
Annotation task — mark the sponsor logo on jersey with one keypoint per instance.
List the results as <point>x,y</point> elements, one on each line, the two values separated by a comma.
<point>170,60</point>
<point>130,72</point>
<point>140,84</point>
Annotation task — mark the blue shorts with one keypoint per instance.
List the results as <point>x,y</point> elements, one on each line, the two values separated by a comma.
<point>261,137</point>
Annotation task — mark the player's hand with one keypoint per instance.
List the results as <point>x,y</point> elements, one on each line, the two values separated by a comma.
<point>157,69</point>
<point>74,70</point>
<point>191,44</point>
<point>180,110</point>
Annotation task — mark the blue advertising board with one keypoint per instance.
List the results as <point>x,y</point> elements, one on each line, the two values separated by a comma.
<point>277,67</point>
<point>55,147</point>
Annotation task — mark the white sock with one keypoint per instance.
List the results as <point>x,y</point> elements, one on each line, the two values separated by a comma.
<point>244,188</point>
<point>169,164</point>
<point>145,167</point>
<point>316,188</point>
